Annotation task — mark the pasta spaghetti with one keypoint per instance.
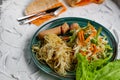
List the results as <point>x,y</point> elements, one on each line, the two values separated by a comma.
<point>55,53</point>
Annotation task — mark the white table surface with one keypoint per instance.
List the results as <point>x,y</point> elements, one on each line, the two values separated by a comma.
<point>15,61</point>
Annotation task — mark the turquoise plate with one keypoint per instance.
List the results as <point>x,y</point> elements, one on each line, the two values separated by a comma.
<point>82,22</point>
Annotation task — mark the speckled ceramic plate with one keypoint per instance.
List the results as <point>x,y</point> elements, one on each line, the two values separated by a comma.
<point>82,22</point>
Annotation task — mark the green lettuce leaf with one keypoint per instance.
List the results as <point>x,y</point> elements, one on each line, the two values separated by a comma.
<point>109,72</point>
<point>97,70</point>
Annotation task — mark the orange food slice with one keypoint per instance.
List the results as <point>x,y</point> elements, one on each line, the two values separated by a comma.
<point>83,2</point>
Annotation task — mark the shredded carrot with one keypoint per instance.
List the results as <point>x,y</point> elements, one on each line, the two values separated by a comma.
<point>88,39</point>
<point>94,49</point>
<point>91,47</point>
<point>94,32</point>
<point>83,53</point>
<point>81,37</point>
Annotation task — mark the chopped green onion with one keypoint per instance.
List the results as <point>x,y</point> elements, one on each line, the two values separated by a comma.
<point>98,32</point>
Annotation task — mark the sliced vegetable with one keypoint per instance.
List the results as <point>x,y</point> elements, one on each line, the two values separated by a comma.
<point>86,36</point>
<point>72,38</point>
<point>89,38</point>
<point>98,32</point>
<point>83,2</point>
<point>108,47</point>
<point>81,37</point>
<point>92,33</point>
<point>95,39</point>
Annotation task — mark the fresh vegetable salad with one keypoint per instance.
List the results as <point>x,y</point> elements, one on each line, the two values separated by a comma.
<point>88,42</point>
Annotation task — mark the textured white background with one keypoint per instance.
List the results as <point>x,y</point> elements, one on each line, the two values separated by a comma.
<point>15,61</point>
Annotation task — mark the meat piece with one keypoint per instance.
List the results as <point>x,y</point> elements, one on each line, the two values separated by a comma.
<point>57,30</point>
<point>74,26</point>
<point>65,28</point>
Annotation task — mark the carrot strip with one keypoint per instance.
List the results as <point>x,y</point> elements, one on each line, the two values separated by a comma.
<point>94,49</point>
<point>81,37</point>
<point>83,53</point>
<point>88,39</point>
<point>83,2</point>
<point>82,34</point>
